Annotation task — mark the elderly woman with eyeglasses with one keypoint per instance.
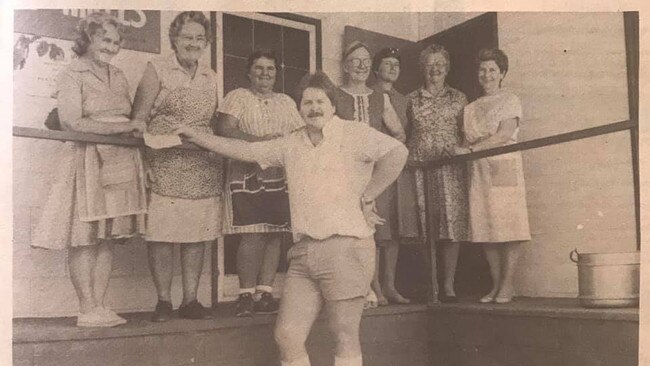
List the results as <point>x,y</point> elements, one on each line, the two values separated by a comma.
<point>435,111</point>
<point>185,185</point>
<point>355,101</point>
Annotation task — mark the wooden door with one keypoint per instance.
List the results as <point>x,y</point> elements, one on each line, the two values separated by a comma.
<point>295,41</point>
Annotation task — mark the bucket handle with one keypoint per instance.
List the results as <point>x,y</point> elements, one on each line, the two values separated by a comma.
<point>571,255</point>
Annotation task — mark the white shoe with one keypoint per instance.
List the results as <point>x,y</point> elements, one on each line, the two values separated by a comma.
<point>96,318</point>
<point>112,315</point>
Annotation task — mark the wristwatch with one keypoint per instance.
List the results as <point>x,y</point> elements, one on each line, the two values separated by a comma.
<point>365,200</point>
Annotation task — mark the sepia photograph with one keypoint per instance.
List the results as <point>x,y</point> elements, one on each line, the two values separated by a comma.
<point>199,186</point>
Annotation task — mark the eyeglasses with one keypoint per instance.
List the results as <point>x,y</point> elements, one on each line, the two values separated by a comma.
<point>186,38</point>
<point>437,65</point>
<point>356,62</point>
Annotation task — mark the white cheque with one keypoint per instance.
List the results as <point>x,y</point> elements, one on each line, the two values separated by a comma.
<point>161,141</point>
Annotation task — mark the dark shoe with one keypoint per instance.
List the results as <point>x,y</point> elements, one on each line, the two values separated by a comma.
<point>245,305</point>
<point>446,299</point>
<point>266,305</point>
<point>194,310</point>
<point>163,311</point>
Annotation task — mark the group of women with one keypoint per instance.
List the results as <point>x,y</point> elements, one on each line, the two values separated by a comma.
<point>484,201</point>
<point>479,202</point>
<point>101,194</point>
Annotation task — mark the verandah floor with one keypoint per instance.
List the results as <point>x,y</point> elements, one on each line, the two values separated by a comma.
<point>529,331</point>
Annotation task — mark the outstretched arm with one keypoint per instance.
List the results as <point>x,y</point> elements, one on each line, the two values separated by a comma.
<point>227,126</point>
<point>231,148</point>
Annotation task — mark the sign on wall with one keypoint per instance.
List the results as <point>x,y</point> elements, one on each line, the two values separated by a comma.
<point>142,27</point>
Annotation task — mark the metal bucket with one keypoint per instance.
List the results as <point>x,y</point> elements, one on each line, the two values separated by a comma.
<point>607,280</point>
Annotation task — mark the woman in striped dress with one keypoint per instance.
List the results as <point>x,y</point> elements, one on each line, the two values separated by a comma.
<point>256,201</point>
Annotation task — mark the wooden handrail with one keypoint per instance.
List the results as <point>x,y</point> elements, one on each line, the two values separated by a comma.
<point>532,144</point>
<point>39,133</point>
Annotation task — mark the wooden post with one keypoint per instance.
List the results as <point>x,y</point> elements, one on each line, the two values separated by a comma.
<point>431,245</point>
<point>215,273</point>
<point>631,27</point>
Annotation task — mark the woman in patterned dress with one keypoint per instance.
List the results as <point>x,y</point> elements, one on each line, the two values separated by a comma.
<point>355,101</point>
<point>257,204</point>
<point>185,185</point>
<point>434,113</point>
<point>97,196</point>
<point>498,216</point>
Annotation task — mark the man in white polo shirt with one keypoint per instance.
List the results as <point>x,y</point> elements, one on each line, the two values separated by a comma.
<point>335,169</point>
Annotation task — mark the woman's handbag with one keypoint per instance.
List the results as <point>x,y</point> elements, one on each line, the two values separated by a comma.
<point>52,121</point>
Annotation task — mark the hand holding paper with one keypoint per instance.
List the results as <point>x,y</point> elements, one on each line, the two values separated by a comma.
<point>161,141</point>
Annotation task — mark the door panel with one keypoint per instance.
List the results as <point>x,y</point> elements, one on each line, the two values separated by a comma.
<point>463,43</point>
<point>293,43</point>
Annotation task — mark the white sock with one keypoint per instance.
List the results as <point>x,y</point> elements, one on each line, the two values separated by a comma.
<point>348,361</point>
<point>264,288</point>
<point>247,290</point>
<point>300,362</point>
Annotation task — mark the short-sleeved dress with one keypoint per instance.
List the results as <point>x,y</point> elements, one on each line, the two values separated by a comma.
<point>497,194</point>
<point>405,194</point>
<point>256,200</point>
<point>434,133</point>
<point>368,109</point>
<point>98,191</point>
<point>186,185</point>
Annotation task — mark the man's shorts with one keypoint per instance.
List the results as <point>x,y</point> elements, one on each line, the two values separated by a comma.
<point>340,267</point>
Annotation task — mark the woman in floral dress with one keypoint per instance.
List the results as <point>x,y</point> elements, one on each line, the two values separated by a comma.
<point>185,185</point>
<point>434,113</point>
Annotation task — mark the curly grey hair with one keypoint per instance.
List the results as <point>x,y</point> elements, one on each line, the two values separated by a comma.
<point>91,25</point>
<point>430,50</point>
<point>185,17</point>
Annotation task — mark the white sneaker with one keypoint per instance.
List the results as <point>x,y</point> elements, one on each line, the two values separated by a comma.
<point>112,315</point>
<point>96,318</point>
